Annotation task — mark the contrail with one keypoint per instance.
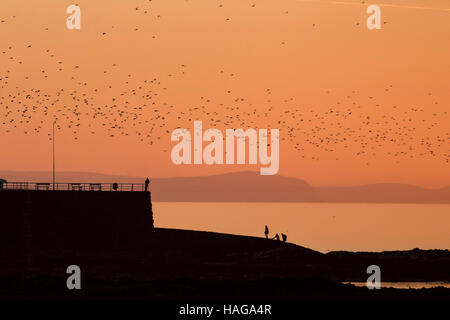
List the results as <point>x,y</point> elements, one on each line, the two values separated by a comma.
<point>378,4</point>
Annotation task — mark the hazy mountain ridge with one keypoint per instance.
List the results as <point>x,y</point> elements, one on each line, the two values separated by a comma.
<point>250,187</point>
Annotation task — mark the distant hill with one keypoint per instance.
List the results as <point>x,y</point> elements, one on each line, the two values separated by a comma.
<point>384,192</point>
<point>251,187</point>
<point>233,187</point>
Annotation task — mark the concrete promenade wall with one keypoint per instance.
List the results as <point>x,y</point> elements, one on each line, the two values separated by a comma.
<point>73,220</point>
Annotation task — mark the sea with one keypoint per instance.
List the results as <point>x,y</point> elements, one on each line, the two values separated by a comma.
<point>322,227</point>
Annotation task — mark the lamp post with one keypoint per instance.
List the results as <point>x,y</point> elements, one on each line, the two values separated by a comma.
<point>53,140</point>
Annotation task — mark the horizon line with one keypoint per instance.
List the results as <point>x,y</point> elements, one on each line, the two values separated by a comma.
<point>229,173</point>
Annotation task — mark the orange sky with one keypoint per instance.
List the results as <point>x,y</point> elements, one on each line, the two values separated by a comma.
<point>352,105</point>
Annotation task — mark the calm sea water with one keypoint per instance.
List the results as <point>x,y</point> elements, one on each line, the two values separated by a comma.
<point>407,285</point>
<point>319,226</point>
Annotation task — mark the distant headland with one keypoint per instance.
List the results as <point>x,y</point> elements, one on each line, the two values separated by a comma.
<point>252,187</point>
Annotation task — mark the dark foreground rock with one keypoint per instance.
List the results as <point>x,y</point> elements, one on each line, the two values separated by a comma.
<point>183,265</point>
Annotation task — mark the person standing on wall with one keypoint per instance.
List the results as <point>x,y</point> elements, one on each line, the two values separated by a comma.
<point>147,182</point>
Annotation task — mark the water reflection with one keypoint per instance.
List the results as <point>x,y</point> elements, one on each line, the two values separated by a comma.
<point>407,285</point>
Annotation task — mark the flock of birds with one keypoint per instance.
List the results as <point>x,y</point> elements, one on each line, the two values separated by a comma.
<point>132,106</point>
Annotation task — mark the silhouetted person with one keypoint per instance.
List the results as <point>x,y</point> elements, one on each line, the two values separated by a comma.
<point>284,237</point>
<point>266,232</point>
<point>115,186</point>
<point>2,181</point>
<point>147,182</point>
<point>277,237</point>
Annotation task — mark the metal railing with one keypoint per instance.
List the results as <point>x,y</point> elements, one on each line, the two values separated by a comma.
<point>72,186</point>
